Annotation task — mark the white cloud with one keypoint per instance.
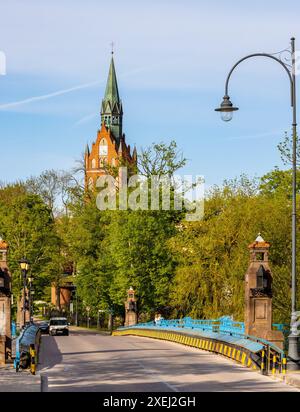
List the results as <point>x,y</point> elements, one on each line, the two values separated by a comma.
<point>34,99</point>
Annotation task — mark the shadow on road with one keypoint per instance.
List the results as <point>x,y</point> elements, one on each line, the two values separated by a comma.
<point>54,356</point>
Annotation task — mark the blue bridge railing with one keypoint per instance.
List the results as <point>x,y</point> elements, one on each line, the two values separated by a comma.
<point>224,325</point>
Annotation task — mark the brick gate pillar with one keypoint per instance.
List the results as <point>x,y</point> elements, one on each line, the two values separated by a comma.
<point>258,294</point>
<point>5,305</point>
<point>131,308</point>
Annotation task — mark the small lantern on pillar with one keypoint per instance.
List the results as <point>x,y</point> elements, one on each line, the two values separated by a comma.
<point>131,308</point>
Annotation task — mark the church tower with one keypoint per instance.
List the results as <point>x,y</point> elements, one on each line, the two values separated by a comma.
<point>109,148</point>
<point>111,109</point>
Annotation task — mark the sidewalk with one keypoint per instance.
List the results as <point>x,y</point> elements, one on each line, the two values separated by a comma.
<point>292,378</point>
<point>91,330</point>
<point>23,381</point>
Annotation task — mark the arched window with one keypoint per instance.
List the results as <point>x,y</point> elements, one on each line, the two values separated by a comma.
<point>103,148</point>
<point>261,278</point>
<point>94,164</point>
<point>102,161</point>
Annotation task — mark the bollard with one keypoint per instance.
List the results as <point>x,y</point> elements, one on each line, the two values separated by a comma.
<point>284,365</point>
<point>274,365</point>
<point>263,362</point>
<point>32,359</point>
<point>268,359</point>
<point>17,358</point>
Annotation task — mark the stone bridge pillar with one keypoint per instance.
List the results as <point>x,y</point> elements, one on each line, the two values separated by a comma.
<point>5,305</point>
<point>258,294</point>
<point>131,308</point>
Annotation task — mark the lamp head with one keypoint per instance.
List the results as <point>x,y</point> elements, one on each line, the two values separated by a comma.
<point>226,109</point>
<point>24,264</point>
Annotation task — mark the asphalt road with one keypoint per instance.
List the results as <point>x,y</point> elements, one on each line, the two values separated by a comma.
<point>86,361</point>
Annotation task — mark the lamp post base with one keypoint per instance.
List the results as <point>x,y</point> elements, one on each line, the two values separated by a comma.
<point>293,354</point>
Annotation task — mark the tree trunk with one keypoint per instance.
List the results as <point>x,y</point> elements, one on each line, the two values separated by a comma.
<point>57,300</point>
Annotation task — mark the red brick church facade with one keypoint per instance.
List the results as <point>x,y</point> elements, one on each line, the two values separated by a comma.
<point>110,148</point>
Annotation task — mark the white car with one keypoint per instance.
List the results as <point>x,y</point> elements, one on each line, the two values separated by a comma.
<point>58,325</point>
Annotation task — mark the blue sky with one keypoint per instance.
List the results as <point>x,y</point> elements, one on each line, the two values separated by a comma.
<point>171,57</point>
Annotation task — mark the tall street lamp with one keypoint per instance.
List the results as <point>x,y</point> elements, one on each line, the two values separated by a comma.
<point>24,264</point>
<point>226,110</point>
<point>30,294</point>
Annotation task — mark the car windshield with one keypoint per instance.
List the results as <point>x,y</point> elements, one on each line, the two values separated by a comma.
<point>58,322</point>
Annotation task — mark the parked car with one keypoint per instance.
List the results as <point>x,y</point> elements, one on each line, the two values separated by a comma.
<point>58,325</point>
<point>44,327</point>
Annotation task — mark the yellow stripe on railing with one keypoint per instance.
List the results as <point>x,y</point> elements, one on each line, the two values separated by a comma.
<point>243,358</point>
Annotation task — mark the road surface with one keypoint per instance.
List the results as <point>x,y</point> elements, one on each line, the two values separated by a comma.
<point>87,361</point>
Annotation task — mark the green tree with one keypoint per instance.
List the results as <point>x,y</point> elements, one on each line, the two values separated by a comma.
<point>27,224</point>
<point>160,159</point>
<point>212,254</point>
<point>286,150</point>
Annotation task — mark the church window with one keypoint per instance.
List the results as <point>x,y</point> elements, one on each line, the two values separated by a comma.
<point>93,164</point>
<point>103,161</point>
<point>103,148</point>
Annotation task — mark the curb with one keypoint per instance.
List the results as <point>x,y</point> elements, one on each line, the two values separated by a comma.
<point>290,379</point>
<point>233,352</point>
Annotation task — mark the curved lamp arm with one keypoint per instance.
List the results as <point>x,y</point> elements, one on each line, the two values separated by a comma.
<point>262,55</point>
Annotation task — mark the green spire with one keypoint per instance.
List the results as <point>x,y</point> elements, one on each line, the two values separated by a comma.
<point>111,111</point>
<point>111,91</point>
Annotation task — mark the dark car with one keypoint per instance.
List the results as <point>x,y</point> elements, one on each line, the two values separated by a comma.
<point>44,327</point>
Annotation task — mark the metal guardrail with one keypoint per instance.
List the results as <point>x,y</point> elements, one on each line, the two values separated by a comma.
<point>28,339</point>
<point>224,325</point>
